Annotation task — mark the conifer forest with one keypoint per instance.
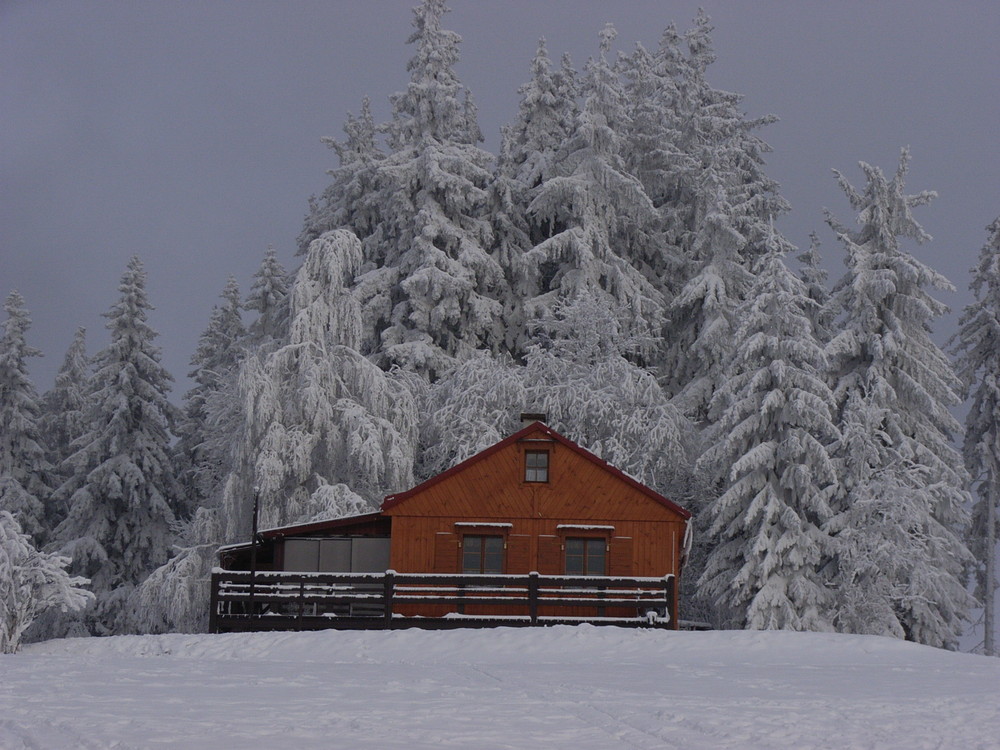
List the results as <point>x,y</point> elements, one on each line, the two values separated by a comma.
<point>615,266</point>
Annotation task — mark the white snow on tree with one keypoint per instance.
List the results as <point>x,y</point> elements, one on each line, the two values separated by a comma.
<point>720,221</point>
<point>64,413</point>
<point>584,382</point>
<point>350,201</point>
<point>599,215</point>
<point>814,276</point>
<point>269,299</point>
<point>473,406</point>
<point>586,386</point>
<point>118,528</point>
<point>978,345</point>
<point>528,151</point>
<point>768,451</point>
<point>883,567</point>
<point>434,293</point>
<point>24,466</point>
<point>656,153</point>
<point>201,451</point>
<point>31,582</point>
<point>884,353</point>
<point>324,431</point>
<point>702,329</point>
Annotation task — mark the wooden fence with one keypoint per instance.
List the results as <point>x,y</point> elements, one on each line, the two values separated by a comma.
<point>271,600</point>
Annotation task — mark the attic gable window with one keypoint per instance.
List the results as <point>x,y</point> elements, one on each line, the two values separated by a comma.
<point>536,466</point>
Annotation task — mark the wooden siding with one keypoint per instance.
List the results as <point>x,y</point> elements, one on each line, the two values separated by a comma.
<point>643,535</point>
<point>495,488</point>
<point>421,545</point>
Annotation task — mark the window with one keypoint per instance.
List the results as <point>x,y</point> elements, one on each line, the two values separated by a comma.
<point>536,466</point>
<point>585,557</point>
<point>482,554</point>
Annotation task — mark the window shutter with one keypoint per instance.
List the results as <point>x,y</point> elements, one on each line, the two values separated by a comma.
<point>445,553</point>
<point>620,556</point>
<point>550,562</point>
<point>519,554</point>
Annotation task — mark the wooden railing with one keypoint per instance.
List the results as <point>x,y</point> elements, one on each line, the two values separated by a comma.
<point>307,601</point>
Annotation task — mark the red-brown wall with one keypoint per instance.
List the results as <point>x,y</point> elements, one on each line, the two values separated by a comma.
<point>646,538</point>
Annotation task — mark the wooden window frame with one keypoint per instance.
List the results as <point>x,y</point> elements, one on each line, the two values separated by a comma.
<point>482,536</point>
<point>531,473</point>
<point>587,541</point>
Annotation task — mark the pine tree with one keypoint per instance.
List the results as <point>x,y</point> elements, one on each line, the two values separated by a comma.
<point>769,451</point>
<point>978,345</point>
<point>589,390</point>
<point>874,533</point>
<point>349,201</point>
<point>471,407</point>
<point>435,292</point>
<point>31,582</point>
<point>720,221</point>
<point>529,148</point>
<point>201,451</point>
<point>24,467</point>
<point>655,153</point>
<point>884,352</point>
<point>584,380</point>
<point>64,410</point>
<point>814,276</point>
<point>122,489</point>
<point>702,329</point>
<point>324,431</point>
<point>603,217</point>
<point>269,299</point>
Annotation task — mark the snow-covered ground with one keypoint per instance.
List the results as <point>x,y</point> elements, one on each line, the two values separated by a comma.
<point>563,687</point>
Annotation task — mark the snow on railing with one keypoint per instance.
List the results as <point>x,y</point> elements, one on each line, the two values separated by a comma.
<point>297,600</point>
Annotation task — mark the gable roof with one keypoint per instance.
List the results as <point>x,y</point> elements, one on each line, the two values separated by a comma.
<point>535,428</point>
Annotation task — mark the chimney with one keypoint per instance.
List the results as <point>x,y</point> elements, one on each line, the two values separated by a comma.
<point>527,419</point>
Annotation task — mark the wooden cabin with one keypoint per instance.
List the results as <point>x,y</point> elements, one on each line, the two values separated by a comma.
<point>536,502</point>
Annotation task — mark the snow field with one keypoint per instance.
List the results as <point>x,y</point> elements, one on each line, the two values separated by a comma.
<point>578,687</point>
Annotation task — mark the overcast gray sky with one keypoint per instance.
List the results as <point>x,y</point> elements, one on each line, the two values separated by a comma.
<point>188,132</point>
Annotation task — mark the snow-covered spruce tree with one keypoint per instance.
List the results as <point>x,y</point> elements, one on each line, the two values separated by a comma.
<point>118,528</point>
<point>701,331</point>
<point>604,219</point>
<point>655,153</point>
<point>582,378</point>
<point>978,346</point>
<point>768,452</point>
<point>588,389</point>
<point>870,573</point>
<point>24,466</point>
<point>200,453</point>
<point>64,410</point>
<point>435,293</point>
<point>31,582</point>
<point>350,200</point>
<point>528,151</point>
<point>324,431</point>
<point>884,351</point>
<point>175,596</point>
<point>269,299</point>
<point>473,406</point>
<point>814,276</point>
<point>719,220</point>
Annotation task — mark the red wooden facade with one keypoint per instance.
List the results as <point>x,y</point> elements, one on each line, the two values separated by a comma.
<point>535,501</point>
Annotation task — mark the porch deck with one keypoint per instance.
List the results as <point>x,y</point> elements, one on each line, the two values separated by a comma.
<point>270,600</point>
